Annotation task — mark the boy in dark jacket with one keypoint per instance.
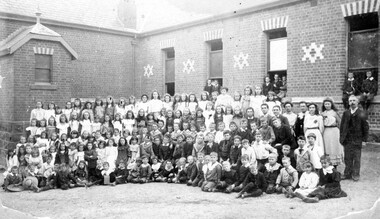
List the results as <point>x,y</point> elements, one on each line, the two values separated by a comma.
<point>225,146</point>
<point>254,184</point>
<point>235,153</point>
<point>191,170</point>
<point>188,146</point>
<point>167,173</point>
<point>272,169</point>
<point>242,173</point>
<point>227,179</point>
<point>199,179</point>
<point>121,173</point>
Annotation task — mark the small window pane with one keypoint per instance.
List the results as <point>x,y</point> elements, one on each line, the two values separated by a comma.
<point>363,50</point>
<point>43,75</point>
<point>170,54</point>
<point>216,45</point>
<point>170,70</point>
<point>43,61</point>
<point>278,53</point>
<point>216,64</point>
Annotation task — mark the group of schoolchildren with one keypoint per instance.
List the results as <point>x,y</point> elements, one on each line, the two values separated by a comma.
<point>168,141</point>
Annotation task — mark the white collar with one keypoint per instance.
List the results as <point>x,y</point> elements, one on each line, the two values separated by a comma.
<point>353,110</point>
<point>350,79</point>
<point>329,170</point>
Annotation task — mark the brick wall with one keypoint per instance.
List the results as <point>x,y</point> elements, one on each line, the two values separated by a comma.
<point>104,67</point>
<point>321,24</point>
<point>7,88</point>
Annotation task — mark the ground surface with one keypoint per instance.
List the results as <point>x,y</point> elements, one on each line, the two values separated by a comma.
<point>161,200</point>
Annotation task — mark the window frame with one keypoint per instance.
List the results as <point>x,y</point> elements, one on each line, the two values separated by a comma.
<point>50,69</point>
<point>359,73</point>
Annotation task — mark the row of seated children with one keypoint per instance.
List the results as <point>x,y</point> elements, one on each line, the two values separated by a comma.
<point>206,172</point>
<point>228,149</point>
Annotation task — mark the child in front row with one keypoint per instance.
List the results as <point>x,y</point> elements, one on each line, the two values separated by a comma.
<point>227,179</point>
<point>271,172</point>
<point>167,173</point>
<point>242,174</point>
<point>254,184</point>
<point>328,186</point>
<point>200,162</point>
<point>191,170</point>
<point>308,181</point>
<point>213,173</point>
<point>287,180</point>
<point>13,178</point>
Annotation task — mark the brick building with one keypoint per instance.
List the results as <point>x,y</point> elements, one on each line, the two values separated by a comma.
<point>126,47</point>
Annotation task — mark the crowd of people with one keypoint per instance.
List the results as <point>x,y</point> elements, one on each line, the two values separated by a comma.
<point>249,144</point>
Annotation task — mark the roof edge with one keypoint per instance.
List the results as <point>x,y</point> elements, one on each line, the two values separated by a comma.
<point>7,50</point>
<point>220,17</point>
<point>32,19</point>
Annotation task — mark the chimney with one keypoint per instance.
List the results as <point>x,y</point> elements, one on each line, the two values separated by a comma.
<point>126,12</point>
<point>38,15</point>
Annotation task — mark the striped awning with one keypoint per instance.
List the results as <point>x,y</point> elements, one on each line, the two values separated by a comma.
<point>360,7</point>
<point>213,35</point>
<point>274,23</point>
<point>167,43</point>
<point>43,51</point>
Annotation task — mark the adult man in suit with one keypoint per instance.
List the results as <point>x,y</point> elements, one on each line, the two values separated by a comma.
<point>354,130</point>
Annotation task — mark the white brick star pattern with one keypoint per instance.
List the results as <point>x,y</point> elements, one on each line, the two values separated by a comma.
<point>188,66</point>
<point>241,60</point>
<point>148,70</point>
<point>315,55</point>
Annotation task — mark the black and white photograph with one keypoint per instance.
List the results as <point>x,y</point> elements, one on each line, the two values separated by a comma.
<point>189,109</point>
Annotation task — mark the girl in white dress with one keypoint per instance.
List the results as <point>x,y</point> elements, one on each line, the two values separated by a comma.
<point>314,124</point>
<point>256,100</point>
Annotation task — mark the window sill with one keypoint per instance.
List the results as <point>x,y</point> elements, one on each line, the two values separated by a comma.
<point>44,86</point>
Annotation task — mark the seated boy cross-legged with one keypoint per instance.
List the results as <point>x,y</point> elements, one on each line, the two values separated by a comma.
<point>254,184</point>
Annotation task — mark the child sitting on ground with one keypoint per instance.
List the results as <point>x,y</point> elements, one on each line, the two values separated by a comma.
<point>254,184</point>
<point>13,179</point>
<point>191,170</point>
<point>156,168</point>
<point>134,174</point>
<point>145,170</point>
<point>213,173</point>
<point>308,181</point>
<point>287,180</point>
<point>328,186</point>
<point>167,173</point>
<point>108,175</point>
<point>199,179</point>
<point>227,179</point>
<point>242,174</point>
<point>121,173</point>
<point>271,172</point>
<point>180,171</point>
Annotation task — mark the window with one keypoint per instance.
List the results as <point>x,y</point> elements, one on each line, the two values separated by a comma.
<point>43,68</point>
<point>169,55</point>
<point>277,53</point>
<point>363,45</point>
<point>216,60</point>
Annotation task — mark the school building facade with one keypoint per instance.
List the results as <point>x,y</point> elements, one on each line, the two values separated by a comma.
<point>312,42</point>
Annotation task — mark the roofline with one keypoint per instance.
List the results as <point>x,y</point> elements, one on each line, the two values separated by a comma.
<point>30,36</point>
<point>137,34</point>
<point>31,19</point>
<point>221,17</point>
